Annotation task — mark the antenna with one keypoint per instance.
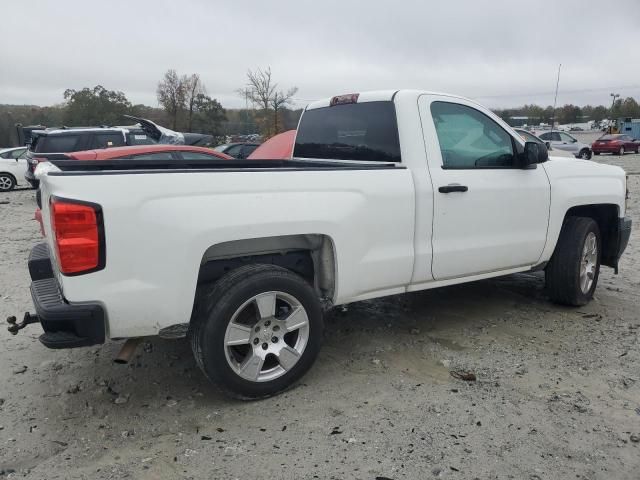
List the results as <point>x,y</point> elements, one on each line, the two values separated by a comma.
<point>555,100</point>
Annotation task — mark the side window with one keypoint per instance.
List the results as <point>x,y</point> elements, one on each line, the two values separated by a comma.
<point>555,137</point>
<point>107,140</point>
<point>545,136</point>
<point>566,138</point>
<point>59,143</point>
<point>154,156</point>
<point>469,139</point>
<point>247,150</point>
<point>5,155</point>
<point>18,153</point>
<point>234,151</point>
<point>198,156</point>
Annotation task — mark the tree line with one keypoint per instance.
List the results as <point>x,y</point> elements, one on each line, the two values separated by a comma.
<point>627,107</point>
<point>184,106</point>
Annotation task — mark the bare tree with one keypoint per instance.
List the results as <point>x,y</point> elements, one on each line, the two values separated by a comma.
<point>278,101</point>
<point>263,93</point>
<point>193,87</point>
<point>172,95</point>
<point>261,88</point>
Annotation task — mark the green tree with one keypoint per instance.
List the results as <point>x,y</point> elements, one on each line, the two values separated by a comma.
<point>208,115</point>
<point>95,106</point>
<point>569,114</point>
<point>172,95</point>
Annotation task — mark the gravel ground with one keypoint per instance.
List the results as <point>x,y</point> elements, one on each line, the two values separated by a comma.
<point>557,393</point>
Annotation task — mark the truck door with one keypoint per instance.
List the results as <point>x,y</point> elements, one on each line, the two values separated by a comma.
<point>488,215</point>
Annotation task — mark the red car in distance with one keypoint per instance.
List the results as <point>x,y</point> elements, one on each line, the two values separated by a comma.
<point>618,144</point>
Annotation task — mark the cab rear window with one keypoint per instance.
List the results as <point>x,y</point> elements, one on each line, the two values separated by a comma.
<point>365,131</point>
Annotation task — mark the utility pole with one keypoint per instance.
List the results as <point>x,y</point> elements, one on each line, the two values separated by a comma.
<point>555,101</point>
<point>613,103</point>
<point>246,110</point>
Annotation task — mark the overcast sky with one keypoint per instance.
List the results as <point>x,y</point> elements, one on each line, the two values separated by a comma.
<point>499,52</point>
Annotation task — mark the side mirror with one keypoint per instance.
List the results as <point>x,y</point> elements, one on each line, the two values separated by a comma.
<point>575,140</point>
<point>534,153</point>
<point>548,145</point>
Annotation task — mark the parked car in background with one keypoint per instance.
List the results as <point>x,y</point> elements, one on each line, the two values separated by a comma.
<point>179,153</point>
<point>618,144</point>
<point>530,137</point>
<point>50,142</point>
<point>237,150</point>
<point>566,142</point>
<point>278,147</point>
<point>13,165</point>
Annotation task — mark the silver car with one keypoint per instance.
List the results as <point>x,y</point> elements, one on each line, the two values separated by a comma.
<point>564,141</point>
<point>530,137</point>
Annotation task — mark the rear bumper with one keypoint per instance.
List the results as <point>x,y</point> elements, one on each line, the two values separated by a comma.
<point>605,149</point>
<point>65,325</point>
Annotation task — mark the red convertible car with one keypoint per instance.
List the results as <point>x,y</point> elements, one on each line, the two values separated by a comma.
<point>618,144</point>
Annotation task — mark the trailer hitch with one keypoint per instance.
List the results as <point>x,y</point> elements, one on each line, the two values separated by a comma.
<point>14,327</point>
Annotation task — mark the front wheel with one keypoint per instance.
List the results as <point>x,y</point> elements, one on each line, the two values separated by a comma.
<point>585,154</point>
<point>256,331</point>
<point>621,151</point>
<point>572,273</point>
<point>7,182</point>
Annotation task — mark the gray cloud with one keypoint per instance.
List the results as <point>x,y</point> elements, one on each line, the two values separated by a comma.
<point>502,53</point>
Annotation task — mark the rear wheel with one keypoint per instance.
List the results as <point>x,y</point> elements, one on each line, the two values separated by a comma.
<point>7,182</point>
<point>621,150</point>
<point>572,273</point>
<point>256,331</point>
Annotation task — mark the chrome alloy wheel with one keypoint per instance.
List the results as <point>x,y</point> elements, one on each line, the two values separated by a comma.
<point>589,262</point>
<point>266,336</point>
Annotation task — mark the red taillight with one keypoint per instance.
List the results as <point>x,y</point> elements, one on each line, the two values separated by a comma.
<point>78,235</point>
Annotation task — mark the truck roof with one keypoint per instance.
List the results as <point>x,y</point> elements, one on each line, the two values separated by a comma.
<point>378,96</point>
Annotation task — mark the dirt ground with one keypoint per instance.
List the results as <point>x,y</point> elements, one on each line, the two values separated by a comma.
<point>557,394</point>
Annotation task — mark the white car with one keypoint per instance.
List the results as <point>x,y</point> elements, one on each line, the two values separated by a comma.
<point>13,166</point>
<point>387,192</point>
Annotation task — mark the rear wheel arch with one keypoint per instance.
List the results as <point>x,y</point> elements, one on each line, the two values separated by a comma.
<point>312,256</point>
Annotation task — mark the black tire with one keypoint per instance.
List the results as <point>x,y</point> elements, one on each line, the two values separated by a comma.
<point>7,182</point>
<point>620,151</point>
<point>563,270</point>
<point>585,154</point>
<point>214,308</point>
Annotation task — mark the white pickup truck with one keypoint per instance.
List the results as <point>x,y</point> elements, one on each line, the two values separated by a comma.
<point>388,192</point>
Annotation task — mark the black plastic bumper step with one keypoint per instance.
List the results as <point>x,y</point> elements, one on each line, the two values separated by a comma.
<point>40,262</point>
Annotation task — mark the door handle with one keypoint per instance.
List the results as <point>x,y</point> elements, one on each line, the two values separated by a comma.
<point>454,187</point>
